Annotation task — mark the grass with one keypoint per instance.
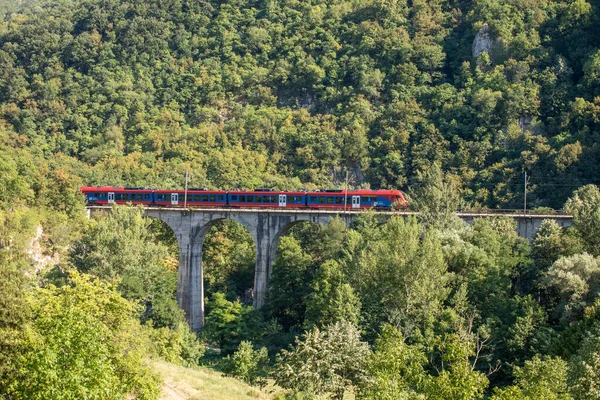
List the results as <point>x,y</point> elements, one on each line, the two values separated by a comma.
<point>199,383</point>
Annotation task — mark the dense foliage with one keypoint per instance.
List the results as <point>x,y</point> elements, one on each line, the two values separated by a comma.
<point>450,100</point>
<point>295,93</point>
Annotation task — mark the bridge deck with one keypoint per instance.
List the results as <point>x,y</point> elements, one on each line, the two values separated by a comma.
<point>465,214</point>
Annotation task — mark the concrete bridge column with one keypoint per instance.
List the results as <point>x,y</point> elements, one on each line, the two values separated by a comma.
<point>261,274</point>
<point>195,291</point>
<point>190,296</point>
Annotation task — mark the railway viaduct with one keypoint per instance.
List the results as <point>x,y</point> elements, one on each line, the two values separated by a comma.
<point>267,226</point>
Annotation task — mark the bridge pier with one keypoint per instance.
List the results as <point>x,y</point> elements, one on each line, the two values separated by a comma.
<point>266,226</point>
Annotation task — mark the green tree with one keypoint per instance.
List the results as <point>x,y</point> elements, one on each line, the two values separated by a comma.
<point>584,367</point>
<point>540,378</point>
<point>324,362</point>
<point>122,245</point>
<point>228,323</point>
<point>332,299</point>
<point>584,205</point>
<point>289,284</point>
<point>396,369</point>
<point>577,280</point>
<point>550,243</point>
<point>437,197</point>
<point>248,364</point>
<point>82,341</point>
<point>401,275</point>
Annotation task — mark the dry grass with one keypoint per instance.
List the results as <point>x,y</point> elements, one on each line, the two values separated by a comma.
<point>182,383</point>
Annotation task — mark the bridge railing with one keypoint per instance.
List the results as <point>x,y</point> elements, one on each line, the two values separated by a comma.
<point>540,211</point>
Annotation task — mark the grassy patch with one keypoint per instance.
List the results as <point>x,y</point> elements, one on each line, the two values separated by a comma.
<point>205,384</point>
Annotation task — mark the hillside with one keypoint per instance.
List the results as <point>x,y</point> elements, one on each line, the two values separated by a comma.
<point>295,93</point>
<point>452,101</point>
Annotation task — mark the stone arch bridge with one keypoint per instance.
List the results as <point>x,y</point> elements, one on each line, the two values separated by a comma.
<point>266,226</point>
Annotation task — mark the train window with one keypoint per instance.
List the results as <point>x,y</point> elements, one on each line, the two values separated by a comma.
<point>212,197</point>
<point>221,197</point>
<point>146,196</point>
<point>234,197</point>
<point>330,200</point>
<point>373,199</point>
<point>273,199</point>
<point>313,199</point>
<point>133,196</point>
<point>98,195</point>
<point>190,197</point>
<point>243,198</point>
<point>339,200</point>
<point>322,200</point>
<point>258,199</point>
<point>250,199</point>
<point>196,197</point>
<point>365,199</point>
<point>204,197</point>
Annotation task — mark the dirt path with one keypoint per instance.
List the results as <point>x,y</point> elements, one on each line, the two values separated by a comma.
<point>171,393</point>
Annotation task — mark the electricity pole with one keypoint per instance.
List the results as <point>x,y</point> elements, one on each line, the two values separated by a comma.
<point>525,194</point>
<point>346,193</point>
<point>185,192</point>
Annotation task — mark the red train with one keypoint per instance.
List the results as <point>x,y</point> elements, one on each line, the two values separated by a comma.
<point>264,198</point>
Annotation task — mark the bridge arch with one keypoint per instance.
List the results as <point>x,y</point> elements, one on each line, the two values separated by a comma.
<point>266,226</point>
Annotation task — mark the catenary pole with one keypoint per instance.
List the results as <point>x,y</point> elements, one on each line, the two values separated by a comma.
<point>525,194</point>
<point>346,193</point>
<point>185,191</point>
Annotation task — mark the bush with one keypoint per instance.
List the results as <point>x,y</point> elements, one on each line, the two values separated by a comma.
<point>178,345</point>
<point>248,364</point>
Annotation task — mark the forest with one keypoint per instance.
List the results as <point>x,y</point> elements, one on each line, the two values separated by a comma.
<point>452,101</point>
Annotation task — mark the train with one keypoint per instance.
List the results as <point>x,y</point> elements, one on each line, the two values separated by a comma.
<point>258,198</point>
